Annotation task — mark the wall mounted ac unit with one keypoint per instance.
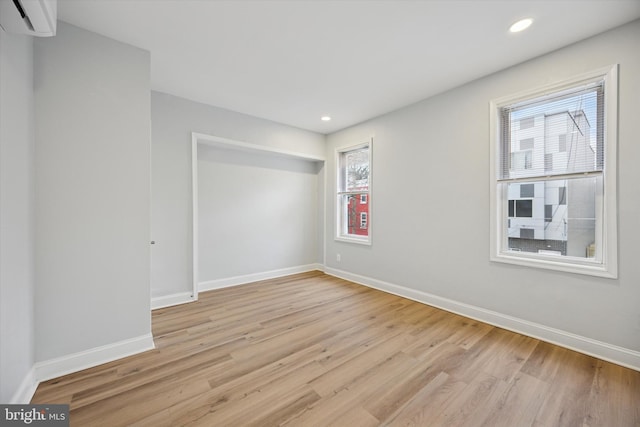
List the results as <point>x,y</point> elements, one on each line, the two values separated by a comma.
<point>32,17</point>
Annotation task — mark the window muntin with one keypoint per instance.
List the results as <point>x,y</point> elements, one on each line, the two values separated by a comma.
<point>354,193</point>
<point>570,225</point>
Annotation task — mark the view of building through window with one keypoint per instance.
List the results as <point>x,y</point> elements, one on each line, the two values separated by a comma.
<point>555,138</point>
<point>357,171</point>
<point>553,194</point>
<point>353,192</point>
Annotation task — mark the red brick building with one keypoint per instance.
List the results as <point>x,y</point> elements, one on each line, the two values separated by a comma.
<point>358,214</point>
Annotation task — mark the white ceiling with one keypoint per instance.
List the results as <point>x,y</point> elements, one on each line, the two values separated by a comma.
<point>294,61</point>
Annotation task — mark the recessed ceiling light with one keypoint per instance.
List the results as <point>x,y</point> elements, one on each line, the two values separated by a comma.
<point>522,24</point>
<point>325,118</point>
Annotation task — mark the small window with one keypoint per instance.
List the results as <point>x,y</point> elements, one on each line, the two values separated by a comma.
<point>527,233</point>
<point>562,143</point>
<point>354,193</point>
<point>548,162</point>
<point>548,213</point>
<point>562,195</point>
<point>363,220</point>
<point>521,160</point>
<point>527,123</point>
<point>527,190</point>
<point>524,208</point>
<point>553,195</point>
<point>526,144</point>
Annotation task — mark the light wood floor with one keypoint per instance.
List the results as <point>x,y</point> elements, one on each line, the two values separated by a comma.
<point>313,350</point>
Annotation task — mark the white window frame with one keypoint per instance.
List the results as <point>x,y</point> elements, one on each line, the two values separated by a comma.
<point>341,215</point>
<point>606,203</point>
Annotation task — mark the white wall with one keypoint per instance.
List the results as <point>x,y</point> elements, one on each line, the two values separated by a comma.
<point>173,120</point>
<point>16,215</point>
<point>430,216</point>
<point>92,193</point>
<point>257,213</point>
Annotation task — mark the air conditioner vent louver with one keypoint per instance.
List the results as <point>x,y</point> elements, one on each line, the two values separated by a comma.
<point>31,17</point>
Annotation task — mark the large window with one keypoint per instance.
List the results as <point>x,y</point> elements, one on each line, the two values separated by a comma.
<point>553,177</point>
<point>354,194</point>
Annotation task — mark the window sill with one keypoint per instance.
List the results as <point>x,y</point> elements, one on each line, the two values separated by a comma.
<point>357,240</point>
<point>568,265</point>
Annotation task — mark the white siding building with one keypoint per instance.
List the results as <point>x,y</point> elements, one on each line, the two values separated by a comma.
<point>540,215</point>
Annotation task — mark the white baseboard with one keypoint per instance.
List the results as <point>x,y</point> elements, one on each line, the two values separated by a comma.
<point>170,300</point>
<point>93,357</point>
<point>26,390</point>
<point>241,280</point>
<point>605,351</point>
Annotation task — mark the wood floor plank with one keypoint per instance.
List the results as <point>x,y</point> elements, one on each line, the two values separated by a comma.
<point>355,390</point>
<point>279,399</point>
<point>463,407</point>
<point>408,383</point>
<point>520,403</point>
<point>571,382</point>
<point>427,403</point>
<point>314,350</point>
<point>343,375</point>
<point>614,397</point>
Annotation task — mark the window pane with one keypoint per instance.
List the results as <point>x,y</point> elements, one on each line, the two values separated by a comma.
<point>357,170</point>
<point>544,225</point>
<point>555,134</point>
<point>357,215</point>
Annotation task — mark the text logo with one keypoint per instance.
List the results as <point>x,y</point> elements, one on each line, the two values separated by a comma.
<point>34,415</point>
